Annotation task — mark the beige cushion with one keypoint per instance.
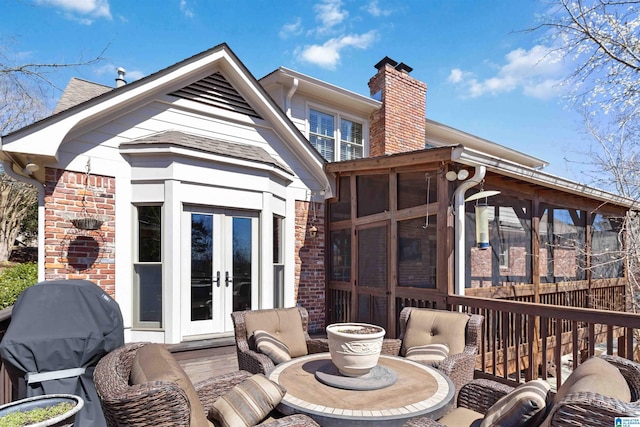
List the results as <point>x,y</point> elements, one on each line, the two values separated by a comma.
<point>272,347</point>
<point>461,417</point>
<point>153,362</point>
<point>428,354</point>
<point>283,323</point>
<point>427,326</point>
<point>524,406</point>
<point>598,376</point>
<point>248,403</point>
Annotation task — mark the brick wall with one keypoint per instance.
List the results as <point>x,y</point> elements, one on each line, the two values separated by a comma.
<point>399,125</point>
<point>309,268</point>
<point>71,253</point>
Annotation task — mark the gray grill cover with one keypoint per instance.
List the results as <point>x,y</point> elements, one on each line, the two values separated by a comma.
<point>57,325</point>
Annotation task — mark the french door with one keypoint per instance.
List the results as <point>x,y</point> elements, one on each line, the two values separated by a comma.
<point>220,268</point>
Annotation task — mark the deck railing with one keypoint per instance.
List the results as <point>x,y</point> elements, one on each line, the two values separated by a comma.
<point>522,340</point>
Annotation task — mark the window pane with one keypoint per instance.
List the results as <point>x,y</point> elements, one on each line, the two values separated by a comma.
<point>373,194</point>
<point>149,292</point>
<point>416,188</point>
<point>340,257</point>
<point>324,146</point>
<point>351,141</point>
<point>341,210</point>
<point>277,240</point>
<point>417,253</point>
<point>321,124</point>
<point>149,233</point>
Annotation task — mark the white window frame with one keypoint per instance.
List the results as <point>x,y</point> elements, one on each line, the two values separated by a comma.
<point>338,117</point>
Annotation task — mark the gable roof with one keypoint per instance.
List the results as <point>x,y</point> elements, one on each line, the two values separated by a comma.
<point>42,139</point>
<point>78,91</point>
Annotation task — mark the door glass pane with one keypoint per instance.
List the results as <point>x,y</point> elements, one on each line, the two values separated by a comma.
<point>241,263</point>
<point>372,257</point>
<point>201,266</point>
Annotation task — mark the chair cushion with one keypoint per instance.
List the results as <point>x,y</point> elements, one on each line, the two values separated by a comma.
<point>460,417</point>
<point>428,354</point>
<point>598,376</point>
<point>283,323</point>
<point>153,362</point>
<point>524,406</point>
<point>427,326</point>
<point>272,347</point>
<point>248,403</point>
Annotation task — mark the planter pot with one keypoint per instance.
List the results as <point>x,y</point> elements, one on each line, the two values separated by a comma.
<point>355,347</point>
<point>47,400</point>
<point>87,223</point>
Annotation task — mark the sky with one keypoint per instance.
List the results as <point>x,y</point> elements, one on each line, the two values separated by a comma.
<point>486,75</point>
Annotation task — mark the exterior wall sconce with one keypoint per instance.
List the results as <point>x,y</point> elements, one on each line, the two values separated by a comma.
<point>461,175</point>
<point>30,168</point>
<point>313,231</point>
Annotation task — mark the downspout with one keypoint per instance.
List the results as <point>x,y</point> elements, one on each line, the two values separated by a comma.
<point>458,203</point>
<point>8,168</point>
<point>287,101</point>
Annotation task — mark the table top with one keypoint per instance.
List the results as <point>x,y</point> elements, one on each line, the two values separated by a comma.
<point>419,391</point>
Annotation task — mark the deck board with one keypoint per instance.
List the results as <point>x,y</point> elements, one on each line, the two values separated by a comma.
<point>201,364</point>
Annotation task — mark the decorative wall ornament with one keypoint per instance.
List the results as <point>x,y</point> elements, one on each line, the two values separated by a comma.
<point>84,220</point>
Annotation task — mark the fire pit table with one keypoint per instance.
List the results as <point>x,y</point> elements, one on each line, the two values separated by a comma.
<point>417,391</point>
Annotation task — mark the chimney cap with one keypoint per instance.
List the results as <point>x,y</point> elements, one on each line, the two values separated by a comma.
<point>384,61</point>
<point>404,67</point>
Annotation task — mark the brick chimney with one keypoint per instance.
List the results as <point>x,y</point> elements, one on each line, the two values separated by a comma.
<point>399,125</point>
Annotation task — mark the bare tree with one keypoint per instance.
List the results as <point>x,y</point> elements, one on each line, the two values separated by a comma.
<point>24,89</point>
<point>601,38</point>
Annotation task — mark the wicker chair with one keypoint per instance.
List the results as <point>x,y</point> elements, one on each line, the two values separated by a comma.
<point>162,403</point>
<point>459,367</point>
<point>249,359</point>
<point>575,409</point>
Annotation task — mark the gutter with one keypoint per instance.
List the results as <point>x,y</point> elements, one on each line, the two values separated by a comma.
<point>8,168</point>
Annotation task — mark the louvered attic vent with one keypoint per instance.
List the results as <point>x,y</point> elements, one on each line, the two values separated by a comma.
<point>216,91</point>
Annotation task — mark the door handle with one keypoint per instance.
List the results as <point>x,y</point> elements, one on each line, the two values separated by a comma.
<point>217,281</point>
<point>227,279</point>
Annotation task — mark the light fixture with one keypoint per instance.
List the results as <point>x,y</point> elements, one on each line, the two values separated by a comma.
<point>461,175</point>
<point>313,231</point>
<point>30,168</point>
<point>451,176</point>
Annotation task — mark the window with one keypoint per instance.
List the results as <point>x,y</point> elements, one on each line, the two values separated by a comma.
<point>147,268</point>
<point>345,142</point>
<point>278,262</point>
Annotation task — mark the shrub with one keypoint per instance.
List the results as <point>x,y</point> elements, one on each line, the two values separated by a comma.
<point>16,279</point>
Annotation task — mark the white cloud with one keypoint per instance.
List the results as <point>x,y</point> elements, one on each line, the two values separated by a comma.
<point>330,14</point>
<point>186,9</point>
<point>327,55</point>
<point>375,10</point>
<point>536,72</point>
<point>292,29</point>
<point>83,11</point>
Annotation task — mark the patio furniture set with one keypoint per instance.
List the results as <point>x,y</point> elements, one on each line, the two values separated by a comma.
<point>285,379</point>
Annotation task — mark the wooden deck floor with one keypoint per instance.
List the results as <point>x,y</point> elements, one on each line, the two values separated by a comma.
<point>200,364</point>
